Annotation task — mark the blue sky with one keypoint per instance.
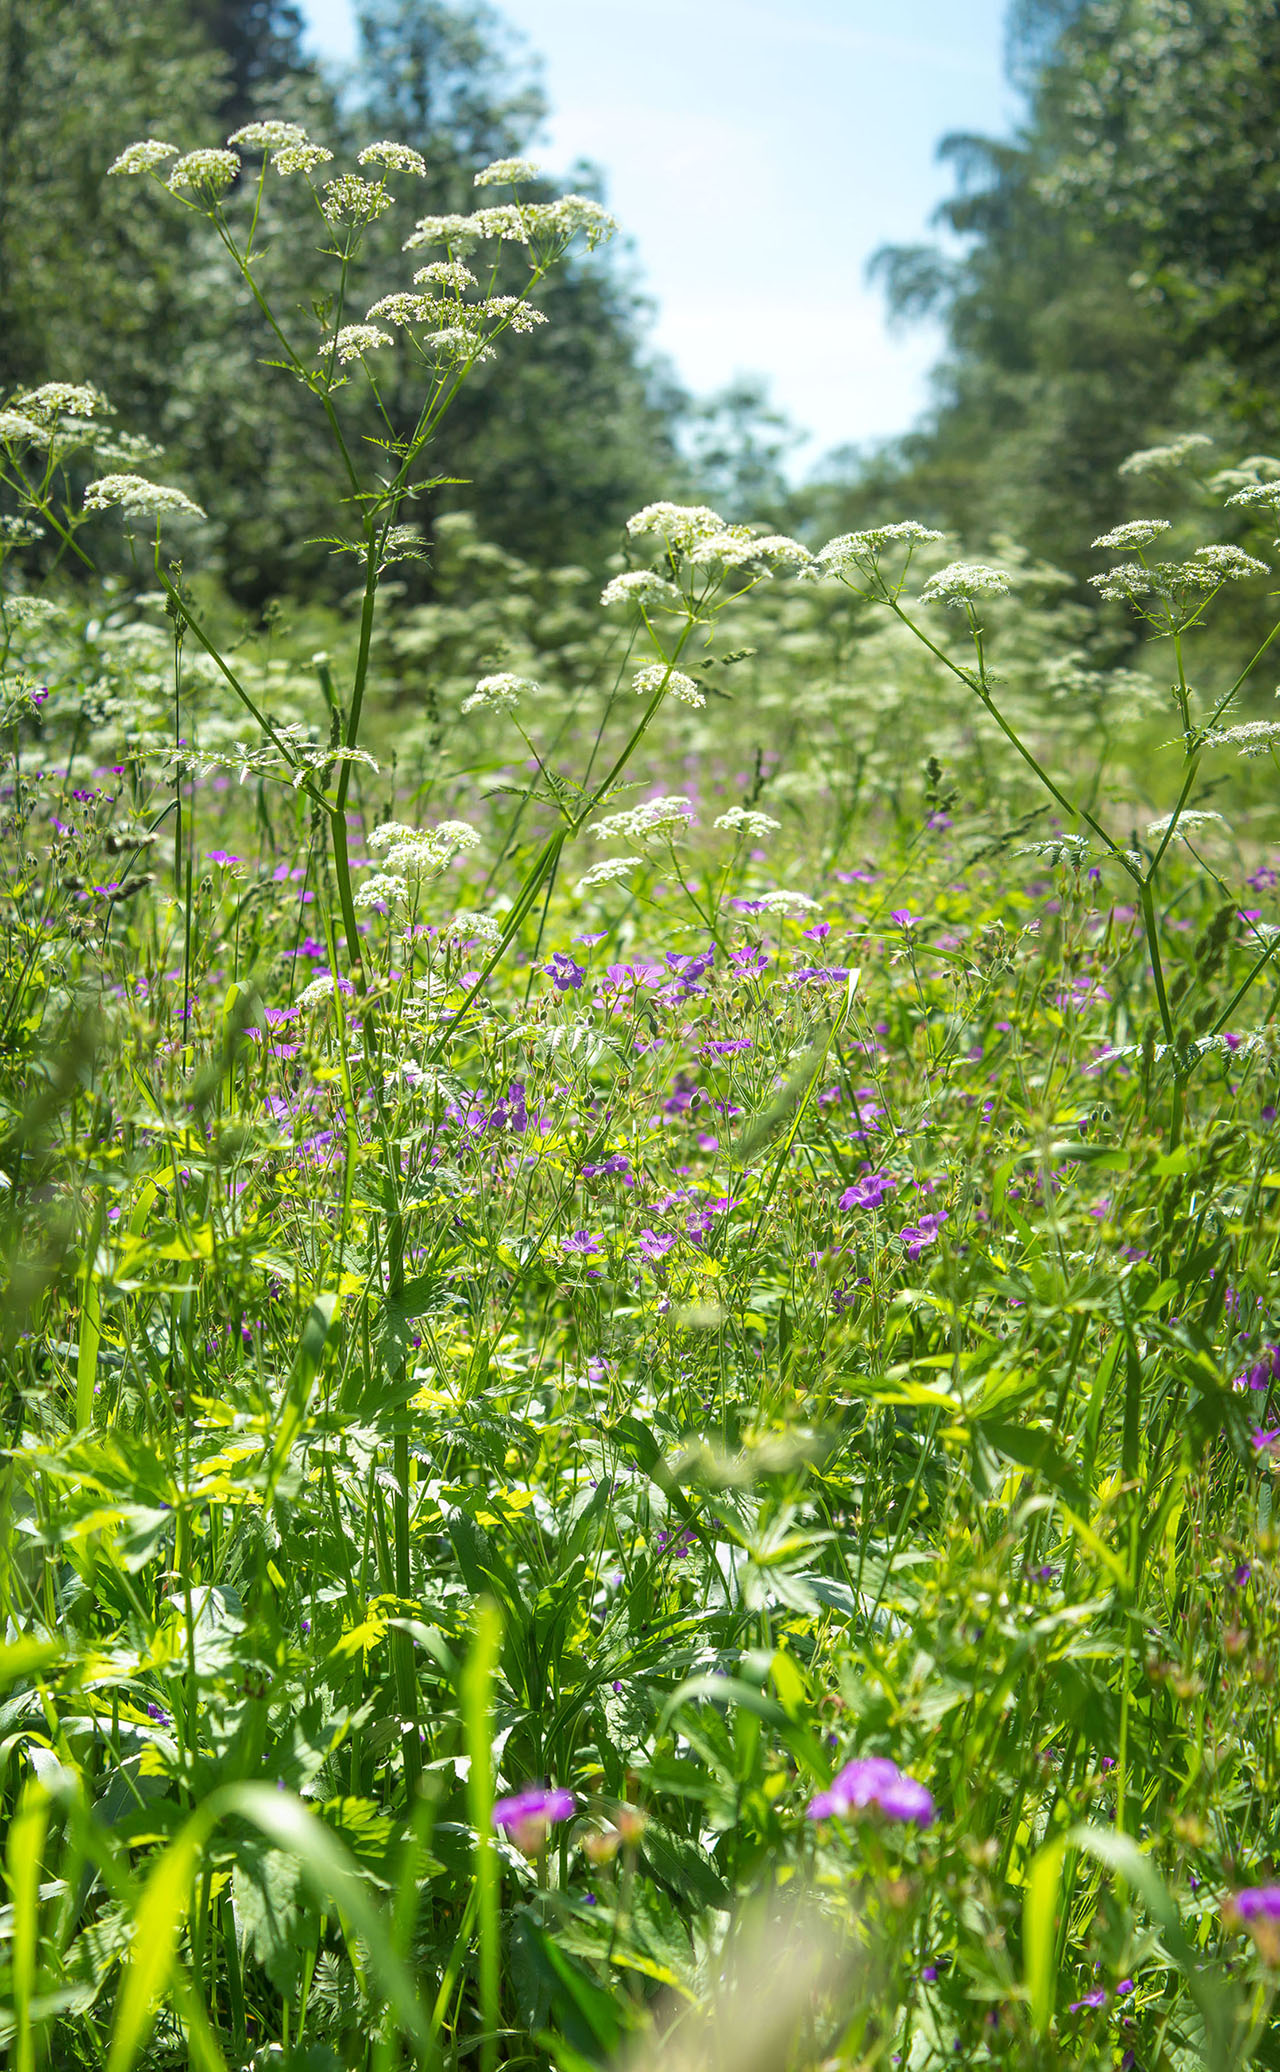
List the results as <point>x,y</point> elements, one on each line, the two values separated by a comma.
<point>757,152</point>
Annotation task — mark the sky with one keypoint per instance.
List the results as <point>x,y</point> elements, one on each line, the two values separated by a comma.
<point>757,152</point>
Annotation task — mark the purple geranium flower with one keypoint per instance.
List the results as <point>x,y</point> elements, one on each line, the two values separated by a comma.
<point>1098,1998</point>
<point>581,1241</point>
<point>873,1781</point>
<point>1259,1903</point>
<point>528,1815</point>
<point>565,975</point>
<point>655,1246</point>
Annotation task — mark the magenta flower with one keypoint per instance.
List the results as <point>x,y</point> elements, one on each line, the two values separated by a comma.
<point>564,973</point>
<point>873,1782</point>
<point>1259,1903</point>
<point>527,1816</point>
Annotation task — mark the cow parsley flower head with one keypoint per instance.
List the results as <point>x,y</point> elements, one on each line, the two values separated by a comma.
<point>138,498</point>
<point>1230,564</point>
<point>662,817</point>
<point>485,929</point>
<point>1150,459</point>
<point>964,583</point>
<point>349,199</point>
<point>606,873</point>
<point>208,173</point>
<point>1266,494</point>
<point>861,549</point>
<point>784,902</point>
<point>145,157</point>
<point>1188,823</point>
<point>655,676</point>
<point>1135,532</point>
<point>267,136</point>
<point>16,428</point>
<point>384,888</point>
<point>1250,736</point>
<point>639,586</point>
<point>355,340</point>
<point>445,273</point>
<point>500,693</point>
<point>453,835</point>
<point>508,172</point>
<point>680,525</point>
<point>301,157</point>
<point>463,233</point>
<point>742,820</point>
<point>59,399</point>
<point>399,157</point>
<point>317,993</point>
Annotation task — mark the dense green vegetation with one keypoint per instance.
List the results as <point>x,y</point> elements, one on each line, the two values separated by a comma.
<point>639,1166</point>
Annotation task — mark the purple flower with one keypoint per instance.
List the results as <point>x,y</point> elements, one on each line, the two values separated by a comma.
<point>654,1245</point>
<point>565,975</point>
<point>1259,1903</point>
<point>915,1236</point>
<point>581,1241</point>
<point>868,1193</point>
<point>1098,1998</point>
<point>874,1781</point>
<point>619,1163</point>
<point>527,1816</point>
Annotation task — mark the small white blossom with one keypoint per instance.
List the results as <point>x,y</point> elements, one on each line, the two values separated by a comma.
<point>785,903</point>
<point>680,525</point>
<point>349,199</point>
<point>61,399</point>
<point>452,835</point>
<point>317,993</point>
<point>138,498</point>
<point>606,873</point>
<point>384,888</point>
<point>399,157</point>
<point>403,308</point>
<point>517,314</point>
<point>500,693</point>
<point>1250,736</point>
<point>445,273</point>
<point>464,233</point>
<point>1188,823</point>
<point>142,158</point>
<point>1266,494</point>
<point>21,610</point>
<point>656,676</point>
<point>661,817</point>
<point>1150,458</point>
<point>481,928</point>
<point>742,820</point>
<point>508,172</point>
<point>209,172</point>
<point>267,136</point>
<point>1230,564</point>
<point>1135,532</point>
<point>639,586</point>
<point>456,343</point>
<point>355,340</point>
<point>963,583</point>
<point>300,158</point>
<point>861,549</point>
<point>16,428</point>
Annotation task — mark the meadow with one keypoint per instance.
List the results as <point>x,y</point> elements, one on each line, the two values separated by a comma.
<point>639,1340</point>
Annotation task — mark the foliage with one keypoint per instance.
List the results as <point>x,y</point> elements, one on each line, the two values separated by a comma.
<point>638,1236</point>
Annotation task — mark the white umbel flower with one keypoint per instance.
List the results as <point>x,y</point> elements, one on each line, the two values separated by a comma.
<point>300,158</point>
<point>1189,823</point>
<point>1150,459</point>
<point>655,676</point>
<point>355,340</point>
<point>1230,564</point>
<point>482,928</point>
<point>508,172</point>
<point>206,172</point>
<point>680,525</point>
<point>963,583</point>
<point>742,820</point>
<point>607,873</point>
<point>501,693</point>
<point>267,136</point>
<point>138,498</point>
<point>1135,532</point>
<point>146,157</point>
<point>639,586</point>
<point>399,157</point>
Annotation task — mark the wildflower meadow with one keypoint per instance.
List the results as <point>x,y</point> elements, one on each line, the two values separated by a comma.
<point>638,1211</point>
